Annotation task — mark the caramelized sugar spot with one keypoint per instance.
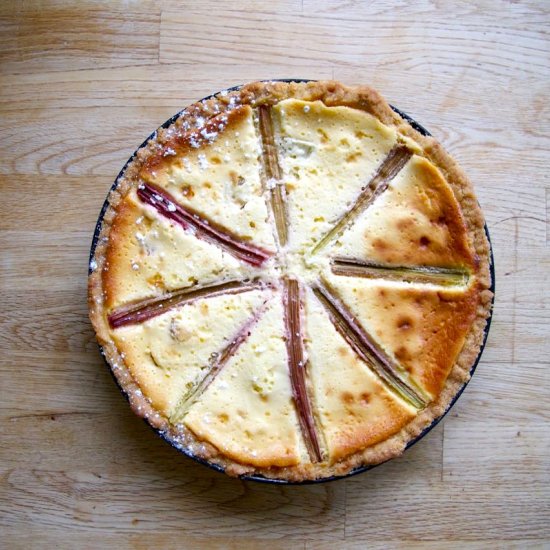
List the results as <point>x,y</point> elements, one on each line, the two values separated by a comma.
<point>187,191</point>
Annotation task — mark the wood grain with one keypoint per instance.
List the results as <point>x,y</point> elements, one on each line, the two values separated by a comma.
<point>52,37</point>
<point>82,85</point>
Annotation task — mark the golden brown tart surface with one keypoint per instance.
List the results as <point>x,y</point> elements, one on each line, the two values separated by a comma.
<point>290,281</point>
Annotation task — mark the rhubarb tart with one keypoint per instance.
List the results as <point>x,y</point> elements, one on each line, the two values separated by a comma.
<point>290,281</point>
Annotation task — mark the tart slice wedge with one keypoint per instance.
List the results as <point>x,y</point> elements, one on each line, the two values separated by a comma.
<point>416,221</point>
<point>421,328</point>
<point>356,409</point>
<point>247,412</point>
<point>213,169</point>
<point>328,155</point>
<point>148,255</point>
<point>170,354</point>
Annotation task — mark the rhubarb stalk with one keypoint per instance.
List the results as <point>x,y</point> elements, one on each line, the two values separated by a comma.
<point>165,204</point>
<point>390,167</point>
<point>364,346</point>
<point>138,312</point>
<point>297,368</point>
<point>218,362</point>
<point>350,267</point>
<point>272,173</point>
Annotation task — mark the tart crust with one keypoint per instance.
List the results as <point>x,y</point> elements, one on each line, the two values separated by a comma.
<point>331,93</point>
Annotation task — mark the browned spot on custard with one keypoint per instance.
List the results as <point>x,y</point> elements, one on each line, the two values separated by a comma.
<point>359,134</point>
<point>204,308</point>
<point>402,353</point>
<point>146,223</point>
<point>404,323</point>
<point>207,184</point>
<point>342,351</point>
<point>234,177</point>
<point>323,134</point>
<point>446,298</point>
<point>424,241</point>
<point>157,281</point>
<point>187,191</point>
<point>352,157</point>
<point>404,223</point>
<point>216,160</point>
<point>379,244</point>
<point>223,418</point>
<point>347,397</point>
<point>364,398</point>
<point>290,187</point>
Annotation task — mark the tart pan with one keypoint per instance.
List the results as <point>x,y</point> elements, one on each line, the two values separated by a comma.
<point>419,128</point>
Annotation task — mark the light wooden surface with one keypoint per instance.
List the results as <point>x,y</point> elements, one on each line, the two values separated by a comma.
<point>82,83</point>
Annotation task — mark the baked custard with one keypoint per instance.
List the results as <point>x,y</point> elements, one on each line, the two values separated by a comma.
<point>290,281</point>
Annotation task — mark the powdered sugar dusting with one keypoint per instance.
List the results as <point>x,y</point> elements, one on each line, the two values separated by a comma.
<point>203,163</point>
<point>193,141</point>
<point>210,136</point>
<point>187,164</point>
<point>140,237</point>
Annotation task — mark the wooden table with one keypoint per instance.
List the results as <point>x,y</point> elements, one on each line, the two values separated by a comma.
<point>82,84</point>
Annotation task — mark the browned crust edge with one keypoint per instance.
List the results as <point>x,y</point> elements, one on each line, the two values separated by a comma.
<point>332,93</point>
